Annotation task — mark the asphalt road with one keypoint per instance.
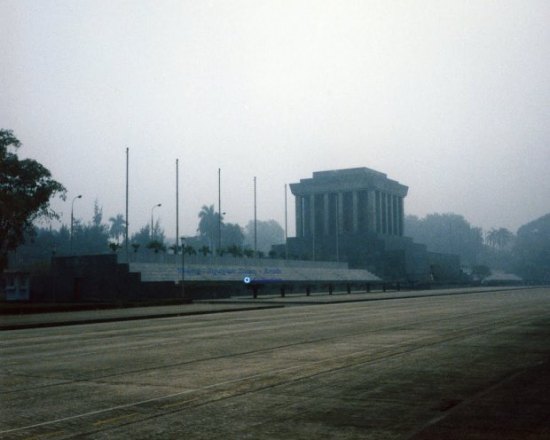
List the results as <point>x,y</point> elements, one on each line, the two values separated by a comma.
<point>455,366</point>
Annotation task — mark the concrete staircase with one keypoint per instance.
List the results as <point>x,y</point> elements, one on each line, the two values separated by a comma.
<point>157,272</point>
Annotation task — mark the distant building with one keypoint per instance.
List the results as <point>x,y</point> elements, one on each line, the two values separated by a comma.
<point>357,215</point>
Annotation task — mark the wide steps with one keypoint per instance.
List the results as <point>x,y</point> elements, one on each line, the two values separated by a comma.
<point>156,272</point>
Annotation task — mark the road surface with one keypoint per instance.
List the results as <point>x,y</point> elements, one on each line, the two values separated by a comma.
<point>454,366</point>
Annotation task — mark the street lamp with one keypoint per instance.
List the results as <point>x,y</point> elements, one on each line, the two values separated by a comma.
<point>219,210</point>
<point>72,218</point>
<point>152,209</point>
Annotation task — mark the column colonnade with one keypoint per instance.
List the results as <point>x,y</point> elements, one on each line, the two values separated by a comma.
<point>354,211</point>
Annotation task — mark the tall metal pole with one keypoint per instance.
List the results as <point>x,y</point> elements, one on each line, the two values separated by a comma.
<point>219,210</point>
<point>182,267</point>
<point>286,225</point>
<point>337,228</point>
<point>255,222</point>
<point>177,207</point>
<point>126,218</point>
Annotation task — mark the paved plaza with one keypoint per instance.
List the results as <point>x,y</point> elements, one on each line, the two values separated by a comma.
<point>471,365</point>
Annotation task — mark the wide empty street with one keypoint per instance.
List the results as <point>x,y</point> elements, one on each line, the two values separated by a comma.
<point>472,365</point>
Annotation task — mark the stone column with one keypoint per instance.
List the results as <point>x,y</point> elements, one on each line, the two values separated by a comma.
<point>326,217</point>
<point>355,212</point>
<point>386,213</point>
<point>340,212</point>
<point>401,217</point>
<point>390,214</point>
<point>378,202</point>
<point>396,215</point>
<point>371,211</point>
<point>312,214</point>
<point>381,210</point>
<point>306,219</point>
<point>299,218</point>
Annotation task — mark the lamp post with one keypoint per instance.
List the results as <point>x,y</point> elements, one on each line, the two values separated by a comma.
<point>219,211</point>
<point>152,209</point>
<point>255,223</point>
<point>286,225</point>
<point>72,218</point>
<point>177,206</point>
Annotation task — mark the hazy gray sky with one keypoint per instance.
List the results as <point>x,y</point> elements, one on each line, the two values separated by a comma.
<point>451,98</point>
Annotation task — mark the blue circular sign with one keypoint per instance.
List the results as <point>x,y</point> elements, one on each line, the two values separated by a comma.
<point>247,280</point>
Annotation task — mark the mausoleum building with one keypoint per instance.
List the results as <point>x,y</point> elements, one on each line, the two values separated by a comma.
<point>350,201</point>
<point>356,216</point>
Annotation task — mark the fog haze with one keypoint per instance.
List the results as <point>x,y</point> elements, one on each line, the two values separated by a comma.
<point>451,98</point>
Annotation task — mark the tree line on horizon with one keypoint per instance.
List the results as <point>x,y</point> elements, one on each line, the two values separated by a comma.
<point>525,253</point>
<point>97,237</point>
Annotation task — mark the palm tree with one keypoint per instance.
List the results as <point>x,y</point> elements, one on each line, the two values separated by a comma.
<point>114,246</point>
<point>189,250</point>
<point>118,227</point>
<point>235,250</point>
<point>499,238</point>
<point>156,246</point>
<point>209,223</point>
<point>503,237</point>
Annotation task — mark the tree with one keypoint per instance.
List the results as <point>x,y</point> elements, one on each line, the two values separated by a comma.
<point>205,250</point>
<point>40,246</point>
<point>91,237</point>
<point>142,237</point>
<point>232,235</point>
<point>497,251</point>
<point>209,223</point>
<point>235,251</point>
<point>499,238</point>
<point>268,233</point>
<point>158,233</point>
<point>98,214</point>
<point>532,250</point>
<point>118,227</point>
<point>189,250</point>
<point>26,188</point>
<point>114,246</point>
<point>446,233</point>
<point>156,246</point>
